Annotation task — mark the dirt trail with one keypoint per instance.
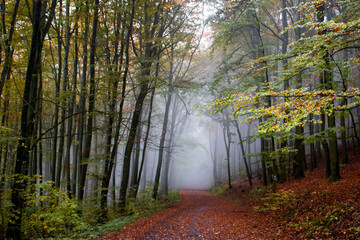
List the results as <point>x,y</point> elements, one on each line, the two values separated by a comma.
<point>199,215</point>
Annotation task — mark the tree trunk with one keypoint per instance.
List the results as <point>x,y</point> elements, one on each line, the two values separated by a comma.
<point>263,162</point>
<point>169,149</point>
<point>227,142</point>
<point>82,105</point>
<point>313,161</point>
<point>8,41</point>
<point>40,29</point>
<point>63,101</point>
<point>344,148</point>
<point>145,142</point>
<point>135,168</point>
<point>248,173</point>
<point>300,158</point>
<point>71,185</point>
<point>162,144</point>
<point>91,107</point>
<point>110,161</point>
<point>130,142</point>
<point>327,80</point>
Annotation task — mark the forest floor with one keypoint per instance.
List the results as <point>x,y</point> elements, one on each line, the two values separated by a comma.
<point>308,208</point>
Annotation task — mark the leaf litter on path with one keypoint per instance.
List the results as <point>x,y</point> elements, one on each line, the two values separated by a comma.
<point>199,215</point>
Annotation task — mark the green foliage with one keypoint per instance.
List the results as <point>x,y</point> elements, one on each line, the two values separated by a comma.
<point>276,201</point>
<point>219,190</point>
<point>282,116</point>
<point>241,174</point>
<point>52,214</point>
<point>8,136</point>
<point>330,219</point>
<point>5,214</point>
<point>144,204</point>
<point>256,191</point>
<point>110,226</point>
<point>271,110</point>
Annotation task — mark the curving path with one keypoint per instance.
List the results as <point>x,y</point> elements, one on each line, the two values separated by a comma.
<point>199,215</point>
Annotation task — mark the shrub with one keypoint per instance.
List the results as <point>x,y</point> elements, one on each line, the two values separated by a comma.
<point>52,214</point>
<point>218,190</point>
<point>144,204</point>
<point>257,190</point>
<point>276,201</point>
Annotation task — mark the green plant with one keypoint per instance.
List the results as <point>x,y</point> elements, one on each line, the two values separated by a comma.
<point>241,174</point>
<point>51,214</point>
<point>110,226</point>
<point>218,190</point>
<point>276,201</point>
<point>5,213</point>
<point>144,204</point>
<point>257,190</point>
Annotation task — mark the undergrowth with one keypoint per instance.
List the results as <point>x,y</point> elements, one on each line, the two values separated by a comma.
<point>53,215</point>
<point>219,190</point>
<point>310,218</point>
<point>276,201</point>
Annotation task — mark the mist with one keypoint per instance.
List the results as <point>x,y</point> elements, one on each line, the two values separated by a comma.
<point>192,165</point>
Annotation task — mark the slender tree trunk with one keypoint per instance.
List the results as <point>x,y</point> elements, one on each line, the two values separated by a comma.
<point>145,141</point>
<point>162,144</point>
<point>71,181</point>
<point>150,51</point>
<point>327,80</point>
<point>300,158</point>
<point>227,142</point>
<point>40,29</point>
<point>130,142</point>
<point>54,156</point>
<point>263,162</point>
<point>324,78</point>
<point>248,173</point>
<point>63,101</point>
<point>110,162</point>
<point>285,42</point>
<point>313,161</point>
<point>325,146</point>
<point>135,168</point>
<point>8,41</point>
<point>82,103</point>
<point>169,149</point>
<point>213,153</point>
<point>344,147</point>
<point>91,107</point>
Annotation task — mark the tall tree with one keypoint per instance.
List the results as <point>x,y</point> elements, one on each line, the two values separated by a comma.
<point>110,160</point>
<point>41,25</point>
<point>326,79</point>
<point>89,129</point>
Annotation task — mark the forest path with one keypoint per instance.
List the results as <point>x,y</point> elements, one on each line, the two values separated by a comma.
<point>199,215</point>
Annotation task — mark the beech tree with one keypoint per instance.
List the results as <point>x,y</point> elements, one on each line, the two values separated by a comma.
<point>41,25</point>
<point>314,54</point>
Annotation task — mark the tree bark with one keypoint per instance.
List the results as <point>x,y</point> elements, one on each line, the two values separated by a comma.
<point>82,105</point>
<point>326,77</point>
<point>248,173</point>
<point>227,142</point>
<point>110,161</point>
<point>91,107</point>
<point>40,29</point>
<point>145,142</point>
<point>8,41</point>
<point>300,159</point>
